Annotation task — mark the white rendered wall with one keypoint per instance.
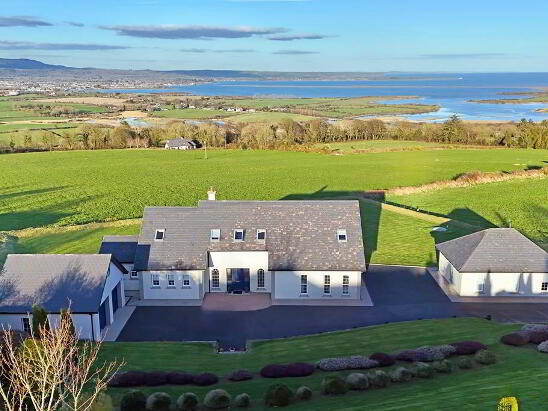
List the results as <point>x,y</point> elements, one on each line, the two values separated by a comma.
<point>179,292</point>
<point>287,284</point>
<point>450,273</point>
<point>253,260</point>
<point>131,284</point>
<point>114,278</point>
<point>503,284</point>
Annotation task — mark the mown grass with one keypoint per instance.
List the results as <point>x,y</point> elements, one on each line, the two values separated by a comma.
<point>357,146</point>
<point>519,371</point>
<point>61,188</point>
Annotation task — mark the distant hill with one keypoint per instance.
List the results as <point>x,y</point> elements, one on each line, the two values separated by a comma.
<point>28,64</point>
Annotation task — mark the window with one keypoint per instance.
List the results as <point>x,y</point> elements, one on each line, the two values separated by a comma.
<point>160,234</point>
<point>238,235</point>
<point>215,234</point>
<point>133,274</point>
<point>341,236</point>
<point>26,324</point>
<point>170,280</point>
<point>327,284</point>
<point>260,278</point>
<point>155,280</point>
<point>215,278</point>
<point>544,287</point>
<point>304,284</point>
<point>346,285</point>
<point>480,288</point>
<point>186,280</point>
<point>261,235</point>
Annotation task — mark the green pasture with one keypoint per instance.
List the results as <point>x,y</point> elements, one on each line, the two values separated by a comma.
<point>192,113</point>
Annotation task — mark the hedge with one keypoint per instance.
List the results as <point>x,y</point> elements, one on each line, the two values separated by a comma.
<point>217,399</point>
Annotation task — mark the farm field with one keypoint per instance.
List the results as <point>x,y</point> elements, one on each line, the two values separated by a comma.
<point>17,132</point>
<point>268,116</point>
<point>519,371</point>
<point>63,188</point>
<point>192,113</point>
<point>371,145</point>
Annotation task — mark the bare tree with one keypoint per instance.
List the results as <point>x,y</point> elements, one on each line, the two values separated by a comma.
<point>53,372</point>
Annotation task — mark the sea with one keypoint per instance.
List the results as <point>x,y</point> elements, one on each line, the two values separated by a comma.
<point>451,91</point>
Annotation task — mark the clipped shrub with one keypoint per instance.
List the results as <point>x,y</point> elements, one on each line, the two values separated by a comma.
<point>424,370</point>
<point>242,401</point>
<point>103,402</point>
<point>485,357</point>
<point>274,371</point>
<point>159,401</point>
<point>516,339</point>
<point>133,400</point>
<point>179,378</point>
<point>465,363</point>
<point>468,347</point>
<point>543,347</point>
<point>240,375</point>
<point>430,353</point>
<point>187,402</point>
<point>536,337</point>
<point>535,327</point>
<point>278,395</point>
<point>217,399</point>
<point>334,385</point>
<point>299,369</point>
<point>384,360</point>
<point>447,350</point>
<point>401,374</point>
<point>303,393</point>
<point>346,363</point>
<point>205,379</point>
<point>410,356</point>
<point>357,381</point>
<point>378,379</point>
<point>443,366</point>
<point>155,378</point>
<point>128,379</point>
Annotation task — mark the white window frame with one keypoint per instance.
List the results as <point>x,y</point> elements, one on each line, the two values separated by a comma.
<point>543,287</point>
<point>215,235</point>
<point>304,291</point>
<point>186,280</point>
<point>155,279</point>
<point>215,273</point>
<point>261,231</point>
<point>341,233</point>
<point>158,231</point>
<point>238,230</point>
<point>326,284</point>
<point>346,285</point>
<point>26,320</point>
<point>481,288</point>
<point>260,279</point>
<point>133,274</point>
<point>170,280</point>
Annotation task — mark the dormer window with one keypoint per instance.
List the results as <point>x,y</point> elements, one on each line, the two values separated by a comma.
<point>215,234</point>
<point>160,234</point>
<point>341,236</point>
<point>238,234</point>
<point>261,235</point>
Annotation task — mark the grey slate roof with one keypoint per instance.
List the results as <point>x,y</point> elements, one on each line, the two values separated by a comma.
<point>300,235</point>
<point>180,142</point>
<point>122,247</point>
<point>495,250</point>
<point>52,281</point>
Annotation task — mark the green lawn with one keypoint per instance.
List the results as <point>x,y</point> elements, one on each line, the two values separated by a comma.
<point>519,371</point>
<point>522,204</point>
<point>372,145</point>
<point>41,189</point>
<point>192,113</point>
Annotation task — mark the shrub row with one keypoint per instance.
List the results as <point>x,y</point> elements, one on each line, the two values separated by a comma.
<point>356,362</point>
<point>157,378</point>
<point>297,369</point>
<point>529,333</point>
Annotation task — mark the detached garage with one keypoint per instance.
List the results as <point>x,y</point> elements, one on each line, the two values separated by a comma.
<point>494,262</point>
<point>90,284</point>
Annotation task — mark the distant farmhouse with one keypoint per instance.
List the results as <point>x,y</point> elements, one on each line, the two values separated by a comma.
<point>180,144</point>
<point>494,262</point>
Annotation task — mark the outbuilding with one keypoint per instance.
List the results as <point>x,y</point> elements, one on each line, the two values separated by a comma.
<point>494,262</point>
<point>180,144</point>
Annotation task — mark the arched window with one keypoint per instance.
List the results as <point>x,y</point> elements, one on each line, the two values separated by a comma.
<point>260,278</point>
<point>215,278</point>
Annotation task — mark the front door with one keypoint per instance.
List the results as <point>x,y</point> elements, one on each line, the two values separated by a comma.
<point>237,280</point>
<point>115,299</point>
<point>103,315</point>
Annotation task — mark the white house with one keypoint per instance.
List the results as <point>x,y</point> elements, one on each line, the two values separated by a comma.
<point>292,250</point>
<point>494,262</point>
<point>89,284</point>
<point>180,144</point>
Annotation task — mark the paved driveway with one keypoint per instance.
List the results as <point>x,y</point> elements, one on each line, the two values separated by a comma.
<point>398,294</point>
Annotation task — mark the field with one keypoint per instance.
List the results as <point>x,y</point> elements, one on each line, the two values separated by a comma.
<point>268,116</point>
<point>192,113</point>
<point>382,145</point>
<point>17,132</point>
<point>519,371</point>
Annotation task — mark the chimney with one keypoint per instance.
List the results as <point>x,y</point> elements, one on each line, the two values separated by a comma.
<point>211,194</point>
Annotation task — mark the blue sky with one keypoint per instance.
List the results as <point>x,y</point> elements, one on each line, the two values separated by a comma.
<point>280,35</point>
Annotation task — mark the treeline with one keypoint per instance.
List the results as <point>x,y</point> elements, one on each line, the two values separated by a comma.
<point>50,110</point>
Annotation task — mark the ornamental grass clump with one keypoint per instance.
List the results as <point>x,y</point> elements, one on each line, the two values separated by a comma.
<point>159,401</point>
<point>357,381</point>
<point>303,393</point>
<point>424,370</point>
<point>465,363</point>
<point>443,366</point>
<point>133,401</point>
<point>242,400</point>
<point>187,402</point>
<point>217,399</point>
<point>278,395</point>
<point>334,385</point>
<point>485,357</point>
<point>401,374</point>
<point>378,379</point>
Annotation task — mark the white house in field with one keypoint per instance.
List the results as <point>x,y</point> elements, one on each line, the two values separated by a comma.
<point>180,143</point>
<point>89,284</point>
<point>292,250</point>
<point>494,262</point>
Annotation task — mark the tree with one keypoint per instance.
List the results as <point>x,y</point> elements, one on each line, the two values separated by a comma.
<point>65,316</point>
<point>55,372</point>
<point>27,140</point>
<point>12,144</point>
<point>39,320</point>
